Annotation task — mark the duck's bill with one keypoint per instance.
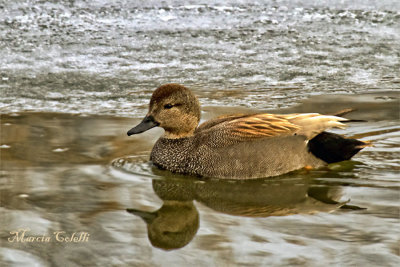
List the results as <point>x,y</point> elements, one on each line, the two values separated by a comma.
<point>146,216</point>
<point>147,123</point>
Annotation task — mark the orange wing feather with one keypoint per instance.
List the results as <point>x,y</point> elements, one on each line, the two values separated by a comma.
<point>272,125</point>
<point>261,125</point>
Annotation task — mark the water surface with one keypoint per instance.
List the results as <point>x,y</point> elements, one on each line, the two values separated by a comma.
<point>76,75</point>
<point>81,173</point>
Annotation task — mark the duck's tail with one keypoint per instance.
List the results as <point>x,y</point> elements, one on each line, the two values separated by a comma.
<point>331,147</point>
<point>343,112</point>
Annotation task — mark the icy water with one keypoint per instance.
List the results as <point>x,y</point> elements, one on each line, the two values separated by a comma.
<point>76,75</point>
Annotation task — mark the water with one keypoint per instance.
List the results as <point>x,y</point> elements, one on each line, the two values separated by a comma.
<point>76,75</point>
<point>106,58</point>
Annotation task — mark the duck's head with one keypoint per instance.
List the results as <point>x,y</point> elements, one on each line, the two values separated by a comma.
<point>174,108</point>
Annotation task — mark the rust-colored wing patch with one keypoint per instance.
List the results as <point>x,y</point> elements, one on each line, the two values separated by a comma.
<point>219,120</point>
<point>261,125</point>
<point>271,125</point>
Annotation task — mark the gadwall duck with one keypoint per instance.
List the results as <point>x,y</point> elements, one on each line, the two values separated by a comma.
<point>239,146</point>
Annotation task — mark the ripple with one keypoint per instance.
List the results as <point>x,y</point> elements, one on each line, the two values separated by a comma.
<point>132,168</point>
<point>53,50</point>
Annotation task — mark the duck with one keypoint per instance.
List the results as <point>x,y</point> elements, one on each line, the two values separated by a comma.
<point>240,146</point>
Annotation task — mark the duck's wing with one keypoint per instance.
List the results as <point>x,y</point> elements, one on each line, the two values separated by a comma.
<point>218,120</point>
<point>312,124</point>
<point>242,127</point>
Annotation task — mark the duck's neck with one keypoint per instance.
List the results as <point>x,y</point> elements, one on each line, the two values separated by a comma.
<point>173,135</point>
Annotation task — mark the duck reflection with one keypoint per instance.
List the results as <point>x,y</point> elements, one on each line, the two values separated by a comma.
<point>173,225</point>
<point>176,223</point>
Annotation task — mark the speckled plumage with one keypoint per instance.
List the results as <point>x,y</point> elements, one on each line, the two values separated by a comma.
<point>225,158</point>
<point>237,146</point>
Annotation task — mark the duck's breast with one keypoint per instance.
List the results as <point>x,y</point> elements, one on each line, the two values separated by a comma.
<point>172,154</point>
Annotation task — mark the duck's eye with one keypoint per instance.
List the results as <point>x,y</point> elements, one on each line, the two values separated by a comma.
<point>168,106</point>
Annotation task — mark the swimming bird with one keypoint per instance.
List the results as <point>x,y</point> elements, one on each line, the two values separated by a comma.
<point>240,146</point>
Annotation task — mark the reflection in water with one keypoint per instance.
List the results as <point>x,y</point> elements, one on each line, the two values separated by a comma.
<point>175,224</point>
<point>106,57</point>
<point>80,173</point>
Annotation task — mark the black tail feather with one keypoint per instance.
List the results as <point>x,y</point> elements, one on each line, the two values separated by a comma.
<point>332,147</point>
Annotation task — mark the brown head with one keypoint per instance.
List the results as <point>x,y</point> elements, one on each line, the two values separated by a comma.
<point>174,108</point>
